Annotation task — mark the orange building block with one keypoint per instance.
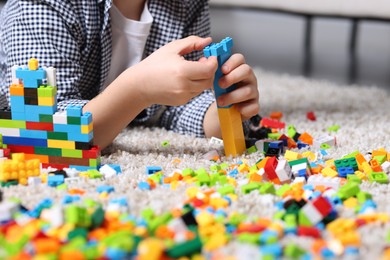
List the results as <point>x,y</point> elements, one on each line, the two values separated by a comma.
<point>232,131</point>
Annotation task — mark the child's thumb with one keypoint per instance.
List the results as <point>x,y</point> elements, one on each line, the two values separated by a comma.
<point>190,44</point>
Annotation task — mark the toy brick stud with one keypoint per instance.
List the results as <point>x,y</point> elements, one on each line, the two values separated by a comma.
<point>33,64</point>
<point>229,118</point>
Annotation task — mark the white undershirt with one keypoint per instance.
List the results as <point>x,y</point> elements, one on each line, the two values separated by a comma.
<point>128,41</point>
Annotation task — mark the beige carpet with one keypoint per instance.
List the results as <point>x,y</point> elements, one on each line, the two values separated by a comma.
<point>361,112</point>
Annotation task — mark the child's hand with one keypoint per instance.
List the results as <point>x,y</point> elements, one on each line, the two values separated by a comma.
<point>166,78</point>
<point>246,96</point>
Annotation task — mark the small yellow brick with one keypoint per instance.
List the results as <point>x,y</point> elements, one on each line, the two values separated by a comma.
<point>329,172</point>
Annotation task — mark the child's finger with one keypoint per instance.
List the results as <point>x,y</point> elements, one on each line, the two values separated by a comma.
<point>241,73</point>
<point>198,70</point>
<point>249,108</point>
<point>189,44</point>
<point>241,94</point>
<point>233,62</point>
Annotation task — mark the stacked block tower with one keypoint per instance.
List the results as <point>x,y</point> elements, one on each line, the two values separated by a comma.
<point>33,126</point>
<point>229,118</point>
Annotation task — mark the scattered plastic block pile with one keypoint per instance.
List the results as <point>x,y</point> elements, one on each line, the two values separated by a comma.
<point>306,206</point>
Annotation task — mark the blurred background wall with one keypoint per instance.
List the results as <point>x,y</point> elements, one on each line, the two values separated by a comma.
<point>274,41</point>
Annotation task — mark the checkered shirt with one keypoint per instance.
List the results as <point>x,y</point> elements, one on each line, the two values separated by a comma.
<point>74,36</point>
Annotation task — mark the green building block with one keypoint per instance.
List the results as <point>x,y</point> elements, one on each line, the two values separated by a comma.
<point>283,189</point>
<point>77,215</point>
<point>72,153</point>
<point>203,179</point>
<point>303,220</point>
<point>222,180</point>
<point>379,177</point>
<point>215,168</point>
<point>158,221</point>
<point>9,123</point>
<point>347,162</point>
<point>94,174</point>
<point>57,136</point>
<point>236,219</point>
<point>274,136</point>
<point>380,158</point>
<point>291,131</point>
<point>354,178</point>
<point>188,172</point>
<point>293,251</point>
<point>187,248</point>
<point>78,232</point>
<point>350,189</point>
<point>201,171</point>
<point>226,189</point>
<point>249,238</point>
<point>247,188</point>
<point>362,196</point>
<point>333,128</point>
<point>48,151</point>
<point>45,118</point>
<point>73,120</point>
<point>267,188</point>
<point>251,149</point>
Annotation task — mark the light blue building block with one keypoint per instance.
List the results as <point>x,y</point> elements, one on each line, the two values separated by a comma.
<point>222,52</point>
<point>86,119</point>
<point>40,134</point>
<point>74,110</point>
<point>31,78</point>
<point>17,104</point>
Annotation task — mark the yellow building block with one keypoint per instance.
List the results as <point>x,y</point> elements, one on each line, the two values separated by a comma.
<point>32,64</point>
<point>61,144</point>
<point>366,168</point>
<point>329,172</point>
<point>291,156</point>
<point>86,129</point>
<point>232,131</point>
<point>361,175</point>
<point>150,249</point>
<point>46,101</point>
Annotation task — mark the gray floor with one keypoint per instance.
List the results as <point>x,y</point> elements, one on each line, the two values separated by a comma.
<point>273,41</point>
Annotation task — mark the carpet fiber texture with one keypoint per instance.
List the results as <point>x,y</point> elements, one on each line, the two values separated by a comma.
<point>361,112</point>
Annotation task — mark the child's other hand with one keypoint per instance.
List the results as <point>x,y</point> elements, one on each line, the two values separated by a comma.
<point>246,96</point>
<point>166,78</point>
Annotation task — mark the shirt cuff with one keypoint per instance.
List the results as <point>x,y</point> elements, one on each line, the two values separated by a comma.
<point>188,119</point>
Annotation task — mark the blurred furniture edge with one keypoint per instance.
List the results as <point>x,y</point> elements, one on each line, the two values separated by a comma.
<point>354,10</point>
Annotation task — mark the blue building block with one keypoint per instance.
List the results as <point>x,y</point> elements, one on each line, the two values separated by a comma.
<point>44,110</point>
<point>105,188</point>
<point>152,169</point>
<point>222,52</point>
<point>17,104</point>
<point>120,201</point>
<point>143,185</point>
<point>39,134</point>
<point>78,137</point>
<point>74,110</point>
<point>24,141</point>
<point>116,167</point>
<point>18,115</point>
<point>82,168</point>
<point>55,180</point>
<point>64,128</point>
<point>86,118</point>
<point>31,78</point>
<point>276,145</point>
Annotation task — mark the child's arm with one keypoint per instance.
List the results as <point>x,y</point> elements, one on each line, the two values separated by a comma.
<point>164,77</point>
<point>245,97</point>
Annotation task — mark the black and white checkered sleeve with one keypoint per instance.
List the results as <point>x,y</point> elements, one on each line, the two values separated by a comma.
<point>188,119</point>
<point>43,30</point>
